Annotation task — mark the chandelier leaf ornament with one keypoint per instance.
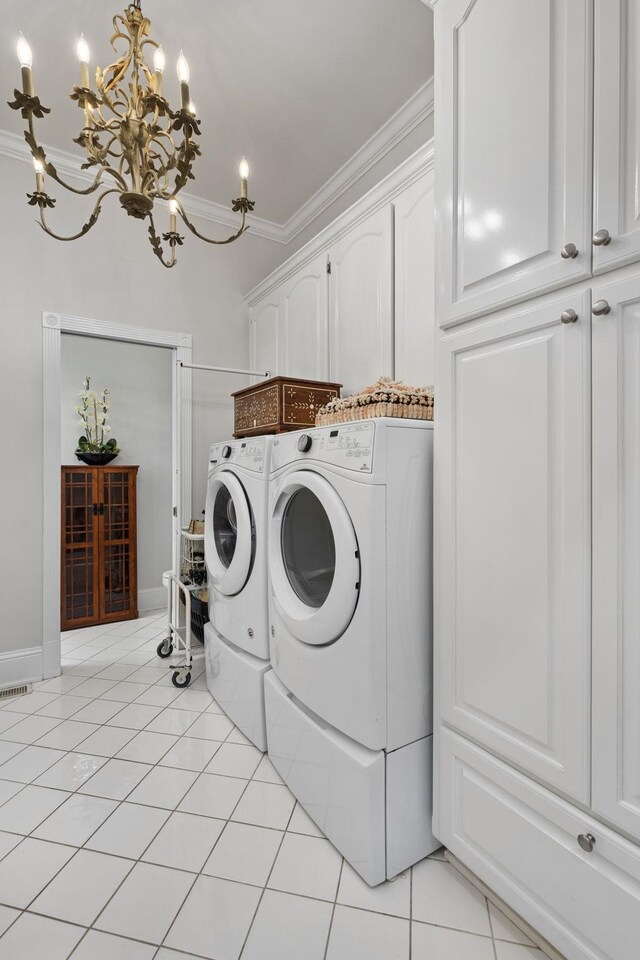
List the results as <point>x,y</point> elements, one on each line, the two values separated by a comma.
<point>137,145</point>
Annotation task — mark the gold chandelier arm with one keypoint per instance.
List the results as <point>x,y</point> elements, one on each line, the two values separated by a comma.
<point>93,219</point>
<point>154,240</point>
<point>234,236</point>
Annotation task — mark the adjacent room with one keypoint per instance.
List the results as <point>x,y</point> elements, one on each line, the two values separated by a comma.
<point>320,329</point>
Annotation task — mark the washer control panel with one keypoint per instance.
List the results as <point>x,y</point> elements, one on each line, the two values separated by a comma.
<point>249,453</point>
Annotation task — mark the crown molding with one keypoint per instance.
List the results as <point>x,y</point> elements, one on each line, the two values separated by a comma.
<point>412,113</point>
<point>68,165</point>
<point>408,172</point>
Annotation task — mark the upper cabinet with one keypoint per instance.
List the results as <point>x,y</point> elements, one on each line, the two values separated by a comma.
<point>616,219</point>
<point>304,338</point>
<point>414,278</point>
<point>513,135</point>
<point>265,321</point>
<point>361,303</point>
<point>357,302</point>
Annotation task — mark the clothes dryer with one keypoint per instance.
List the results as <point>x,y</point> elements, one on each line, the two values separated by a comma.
<point>349,700</point>
<point>237,635</point>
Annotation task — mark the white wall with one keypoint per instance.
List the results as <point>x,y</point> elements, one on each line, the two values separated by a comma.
<point>139,379</point>
<point>111,275</point>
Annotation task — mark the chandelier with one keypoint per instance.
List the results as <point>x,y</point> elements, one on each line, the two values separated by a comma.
<point>130,136</point>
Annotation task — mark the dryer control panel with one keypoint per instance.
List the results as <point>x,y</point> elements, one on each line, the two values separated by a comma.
<point>249,453</point>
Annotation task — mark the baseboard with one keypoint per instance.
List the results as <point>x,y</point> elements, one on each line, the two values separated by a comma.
<point>497,901</point>
<point>20,666</point>
<point>155,598</point>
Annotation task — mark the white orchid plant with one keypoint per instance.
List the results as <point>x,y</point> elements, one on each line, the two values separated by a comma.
<point>93,410</point>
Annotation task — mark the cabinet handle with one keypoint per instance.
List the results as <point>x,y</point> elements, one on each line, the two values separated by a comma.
<point>587,842</point>
<point>95,509</point>
<point>102,509</point>
<point>601,238</point>
<point>600,308</point>
<point>569,316</point>
<point>569,251</point>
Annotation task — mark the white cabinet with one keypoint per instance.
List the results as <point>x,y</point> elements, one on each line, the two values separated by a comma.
<point>361,303</point>
<point>265,322</point>
<point>514,149</point>
<point>304,330</point>
<point>513,502</point>
<point>617,132</point>
<point>524,842</point>
<point>616,554</point>
<point>414,334</point>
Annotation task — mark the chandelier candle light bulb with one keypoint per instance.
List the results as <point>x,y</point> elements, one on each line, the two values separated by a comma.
<point>173,209</point>
<point>82,49</point>
<point>159,62</point>
<point>39,169</point>
<point>182,69</point>
<point>244,178</point>
<point>25,58</point>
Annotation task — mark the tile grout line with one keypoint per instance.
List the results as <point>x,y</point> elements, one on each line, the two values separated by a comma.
<point>264,888</point>
<point>333,912</point>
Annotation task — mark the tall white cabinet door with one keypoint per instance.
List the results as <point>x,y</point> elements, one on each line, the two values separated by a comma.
<point>617,132</point>
<point>414,280</point>
<point>304,322</point>
<point>616,555</point>
<point>265,330</point>
<point>361,303</point>
<point>513,538</point>
<point>513,135</point>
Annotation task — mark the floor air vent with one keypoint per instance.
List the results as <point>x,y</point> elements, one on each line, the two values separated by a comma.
<point>15,691</point>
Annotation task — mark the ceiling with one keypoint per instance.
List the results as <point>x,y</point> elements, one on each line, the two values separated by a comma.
<point>296,86</point>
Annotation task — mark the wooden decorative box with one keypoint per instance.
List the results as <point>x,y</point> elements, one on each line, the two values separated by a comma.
<point>280,404</point>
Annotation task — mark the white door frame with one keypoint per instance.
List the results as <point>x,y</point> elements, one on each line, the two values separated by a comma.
<point>53,326</point>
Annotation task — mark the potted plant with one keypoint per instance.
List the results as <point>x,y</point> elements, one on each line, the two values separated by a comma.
<point>93,410</point>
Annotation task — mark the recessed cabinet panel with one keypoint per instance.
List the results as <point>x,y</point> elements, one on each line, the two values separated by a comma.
<point>414,279</point>
<point>514,508</point>
<point>361,294</point>
<point>304,325</point>
<point>265,324</point>
<point>617,132</point>
<point>616,556</point>
<point>514,132</point>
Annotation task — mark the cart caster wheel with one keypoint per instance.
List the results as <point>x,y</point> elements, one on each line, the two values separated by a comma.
<point>184,682</point>
<point>164,649</point>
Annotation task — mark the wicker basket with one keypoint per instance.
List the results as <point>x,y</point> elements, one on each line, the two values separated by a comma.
<point>410,411</point>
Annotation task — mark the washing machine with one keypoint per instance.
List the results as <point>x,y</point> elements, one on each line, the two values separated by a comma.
<point>237,635</point>
<point>349,698</point>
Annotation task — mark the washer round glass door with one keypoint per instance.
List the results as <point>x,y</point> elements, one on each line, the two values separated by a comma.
<point>229,543</point>
<point>314,560</point>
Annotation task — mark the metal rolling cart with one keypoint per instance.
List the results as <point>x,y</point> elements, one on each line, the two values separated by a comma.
<point>187,604</point>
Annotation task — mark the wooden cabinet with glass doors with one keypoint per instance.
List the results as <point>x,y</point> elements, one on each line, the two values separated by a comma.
<point>98,558</point>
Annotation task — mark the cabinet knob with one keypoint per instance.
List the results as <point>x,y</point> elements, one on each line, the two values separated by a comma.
<point>600,308</point>
<point>601,238</point>
<point>569,316</point>
<point>587,842</point>
<point>569,251</point>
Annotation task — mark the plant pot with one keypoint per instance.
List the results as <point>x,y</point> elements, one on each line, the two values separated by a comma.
<point>96,459</point>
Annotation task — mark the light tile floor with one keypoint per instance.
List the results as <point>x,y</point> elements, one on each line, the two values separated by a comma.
<point>137,823</point>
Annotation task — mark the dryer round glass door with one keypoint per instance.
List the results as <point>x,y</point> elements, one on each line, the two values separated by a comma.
<point>229,543</point>
<point>314,559</point>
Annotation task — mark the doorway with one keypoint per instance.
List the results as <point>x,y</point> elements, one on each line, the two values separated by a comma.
<point>69,344</point>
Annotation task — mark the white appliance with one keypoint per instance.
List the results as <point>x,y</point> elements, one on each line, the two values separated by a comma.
<point>237,644</point>
<point>349,699</point>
